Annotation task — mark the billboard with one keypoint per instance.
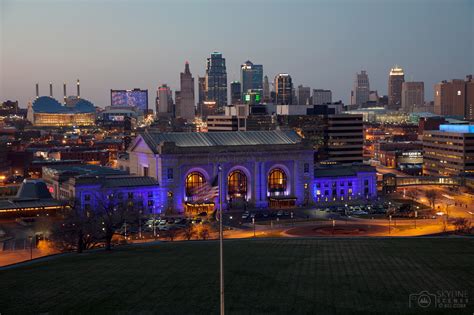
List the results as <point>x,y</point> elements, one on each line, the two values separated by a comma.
<point>130,98</point>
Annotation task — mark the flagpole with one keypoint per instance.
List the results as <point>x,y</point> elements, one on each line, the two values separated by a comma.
<point>221,237</point>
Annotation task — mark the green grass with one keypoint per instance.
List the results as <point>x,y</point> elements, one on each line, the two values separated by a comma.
<point>276,276</point>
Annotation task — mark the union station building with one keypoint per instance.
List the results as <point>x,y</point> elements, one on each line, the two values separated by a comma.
<point>260,169</point>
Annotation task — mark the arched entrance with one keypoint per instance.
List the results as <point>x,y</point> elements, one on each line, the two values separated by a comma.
<point>277,189</point>
<point>195,183</point>
<point>237,185</point>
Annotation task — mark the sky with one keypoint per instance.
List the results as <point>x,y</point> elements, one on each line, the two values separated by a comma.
<point>143,44</point>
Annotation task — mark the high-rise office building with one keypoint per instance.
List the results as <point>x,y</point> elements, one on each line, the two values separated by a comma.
<point>164,101</point>
<point>344,138</point>
<point>455,98</point>
<point>283,89</point>
<point>361,89</point>
<point>304,95</point>
<point>201,93</point>
<point>321,96</point>
<point>266,91</point>
<point>216,80</point>
<point>395,80</point>
<point>251,77</point>
<point>185,106</point>
<point>448,151</point>
<point>413,95</point>
<point>235,92</point>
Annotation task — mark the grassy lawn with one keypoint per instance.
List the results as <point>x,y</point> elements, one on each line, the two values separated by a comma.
<point>277,276</point>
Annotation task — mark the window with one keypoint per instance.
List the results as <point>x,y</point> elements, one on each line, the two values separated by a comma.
<point>120,195</point>
<point>130,195</point>
<point>237,184</point>
<point>277,180</point>
<point>145,170</point>
<point>150,194</point>
<point>341,192</point>
<point>306,167</point>
<point>194,180</point>
<point>87,197</point>
<point>366,182</point>
<point>151,203</point>
<point>318,185</point>
<point>170,173</point>
<point>349,184</point>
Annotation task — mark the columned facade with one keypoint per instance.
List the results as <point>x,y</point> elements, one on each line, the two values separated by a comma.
<point>258,169</point>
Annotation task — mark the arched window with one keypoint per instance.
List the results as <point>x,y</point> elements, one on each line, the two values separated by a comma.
<point>277,180</point>
<point>194,180</point>
<point>237,184</point>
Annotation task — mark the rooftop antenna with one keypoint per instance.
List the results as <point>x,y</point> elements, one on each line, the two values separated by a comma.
<point>78,89</point>
<point>37,90</point>
<point>51,89</point>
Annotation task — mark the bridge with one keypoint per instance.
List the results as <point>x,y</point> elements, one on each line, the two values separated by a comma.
<point>390,181</point>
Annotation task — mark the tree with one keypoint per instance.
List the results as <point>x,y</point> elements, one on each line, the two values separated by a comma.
<point>189,232</point>
<point>171,234</point>
<point>203,232</point>
<point>78,231</point>
<point>113,212</point>
<point>462,225</point>
<point>432,195</point>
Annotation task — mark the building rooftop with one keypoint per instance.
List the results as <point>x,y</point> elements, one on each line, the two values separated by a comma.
<point>46,104</point>
<point>212,139</point>
<point>342,170</point>
<point>119,181</point>
<point>458,128</point>
<point>83,169</point>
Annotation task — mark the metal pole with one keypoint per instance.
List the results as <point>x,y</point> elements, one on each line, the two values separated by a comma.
<point>221,237</point>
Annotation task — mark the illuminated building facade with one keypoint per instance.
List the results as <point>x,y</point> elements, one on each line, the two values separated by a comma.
<point>260,168</point>
<point>283,89</point>
<point>455,98</point>
<point>360,90</point>
<point>395,82</point>
<point>216,80</point>
<point>251,76</point>
<point>344,183</point>
<point>45,111</point>
<point>449,151</point>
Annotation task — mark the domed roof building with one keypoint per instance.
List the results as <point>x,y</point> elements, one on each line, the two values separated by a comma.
<point>48,112</point>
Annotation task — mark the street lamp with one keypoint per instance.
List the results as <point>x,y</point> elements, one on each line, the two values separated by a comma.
<point>416,215</point>
<point>31,246</point>
<point>389,223</point>
<point>253,222</point>
<point>472,214</point>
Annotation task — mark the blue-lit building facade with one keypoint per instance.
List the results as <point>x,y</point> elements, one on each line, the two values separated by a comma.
<point>344,183</point>
<point>259,169</point>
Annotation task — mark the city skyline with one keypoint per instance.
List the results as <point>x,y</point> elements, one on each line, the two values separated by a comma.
<point>147,54</point>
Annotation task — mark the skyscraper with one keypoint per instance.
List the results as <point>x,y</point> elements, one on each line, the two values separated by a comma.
<point>455,97</point>
<point>283,89</point>
<point>266,91</point>
<point>251,77</point>
<point>395,81</point>
<point>361,89</point>
<point>413,95</point>
<point>185,106</point>
<point>321,96</point>
<point>303,95</point>
<point>216,80</point>
<point>235,92</point>
<point>164,101</point>
<point>201,93</point>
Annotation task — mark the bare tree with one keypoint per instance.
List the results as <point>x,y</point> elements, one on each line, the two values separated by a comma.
<point>113,211</point>
<point>462,225</point>
<point>204,232</point>
<point>189,232</point>
<point>432,195</point>
<point>78,231</point>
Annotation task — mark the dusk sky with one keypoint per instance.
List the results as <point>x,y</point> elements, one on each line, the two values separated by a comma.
<point>142,44</point>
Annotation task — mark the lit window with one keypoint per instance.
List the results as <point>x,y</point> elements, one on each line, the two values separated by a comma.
<point>459,92</point>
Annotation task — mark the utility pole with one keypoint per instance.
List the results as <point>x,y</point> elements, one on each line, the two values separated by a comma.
<point>221,237</point>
